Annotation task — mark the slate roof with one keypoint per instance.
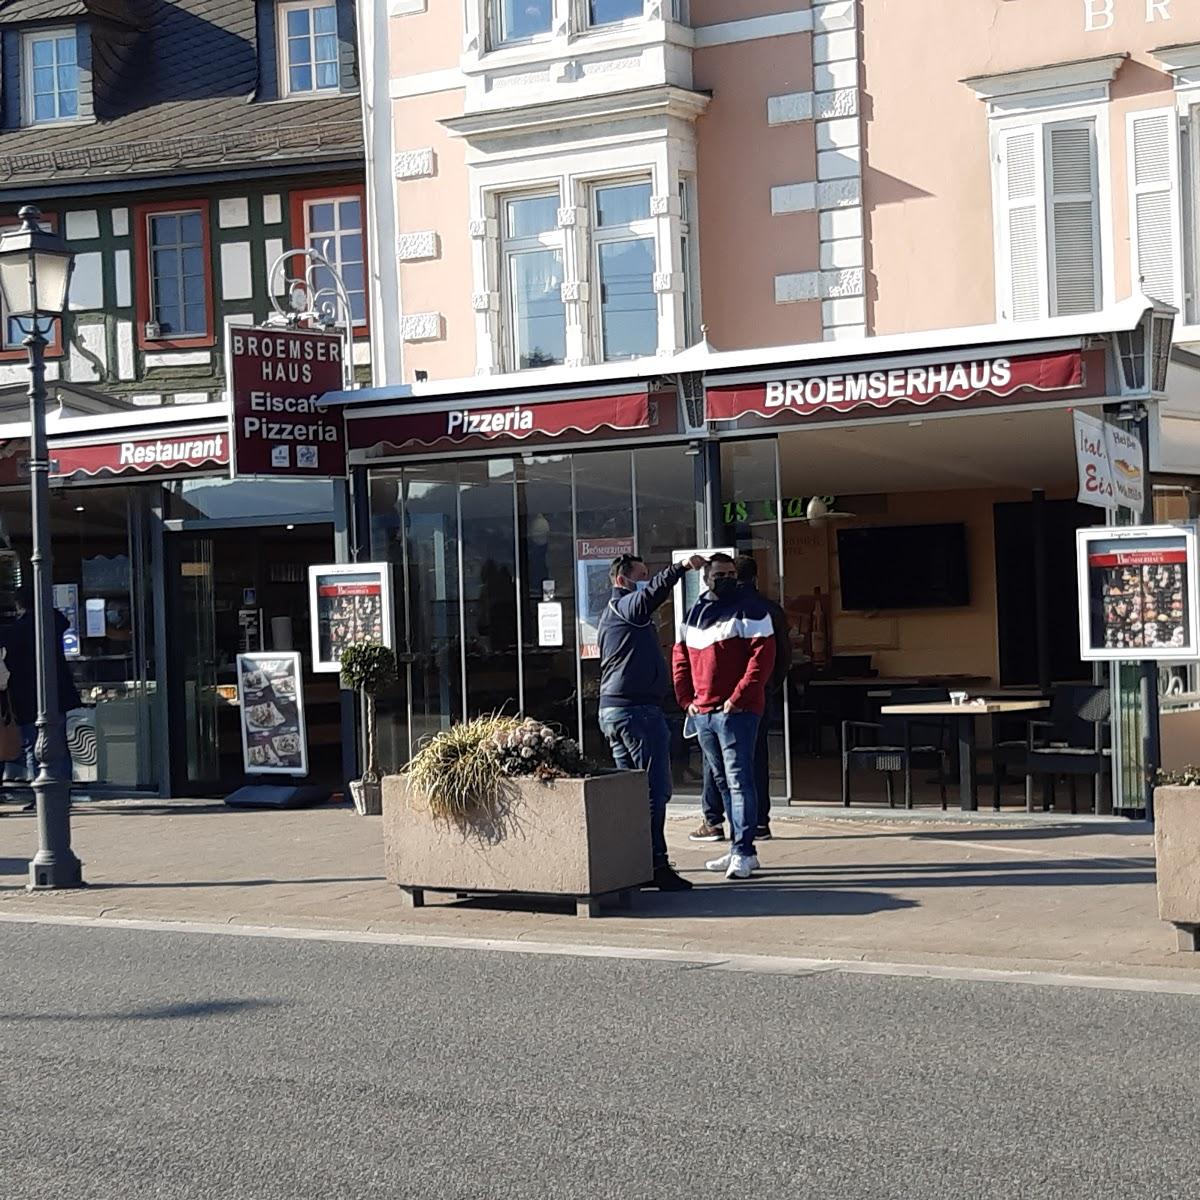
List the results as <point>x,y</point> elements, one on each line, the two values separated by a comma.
<point>178,97</point>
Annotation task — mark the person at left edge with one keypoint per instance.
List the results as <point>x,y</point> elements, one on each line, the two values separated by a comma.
<point>633,684</point>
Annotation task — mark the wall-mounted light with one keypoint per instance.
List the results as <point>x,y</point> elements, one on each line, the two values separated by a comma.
<point>1144,352</point>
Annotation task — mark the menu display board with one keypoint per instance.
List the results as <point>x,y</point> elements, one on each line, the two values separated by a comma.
<point>350,602</point>
<point>594,558</point>
<point>271,695</point>
<point>1137,593</point>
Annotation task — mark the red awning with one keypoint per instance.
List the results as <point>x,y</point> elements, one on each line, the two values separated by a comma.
<point>173,451</point>
<point>422,431</point>
<point>814,395</point>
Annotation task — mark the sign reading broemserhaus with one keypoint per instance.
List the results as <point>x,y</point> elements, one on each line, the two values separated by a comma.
<point>277,378</point>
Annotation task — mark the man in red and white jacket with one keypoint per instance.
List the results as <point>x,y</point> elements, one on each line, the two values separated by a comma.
<point>721,668</point>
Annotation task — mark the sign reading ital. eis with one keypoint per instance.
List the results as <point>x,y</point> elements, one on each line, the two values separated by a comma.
<point>276,378</point>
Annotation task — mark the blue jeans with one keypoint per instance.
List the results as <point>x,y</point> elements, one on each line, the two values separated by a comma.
<point>711,800</point>
<point>641,741</point>
<point>728,741</point>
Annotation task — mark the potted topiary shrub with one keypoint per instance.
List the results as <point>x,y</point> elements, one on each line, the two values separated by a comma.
<point>508,805</point>
<point>1177,852</point>
<point>368,669</point>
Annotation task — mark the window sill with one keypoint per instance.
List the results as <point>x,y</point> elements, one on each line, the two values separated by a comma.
<point>193,342</point>
<point>58,122</point>
<point>629,35</point>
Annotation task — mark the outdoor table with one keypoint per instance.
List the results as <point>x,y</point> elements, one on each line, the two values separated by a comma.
<point>965,715</point>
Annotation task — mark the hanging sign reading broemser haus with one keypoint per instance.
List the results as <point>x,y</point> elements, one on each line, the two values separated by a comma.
<point>276,379</point>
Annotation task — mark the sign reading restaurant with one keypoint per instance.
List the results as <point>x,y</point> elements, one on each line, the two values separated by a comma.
<point>919,385</point>
<point>276,379</point>
<point>172,452</point>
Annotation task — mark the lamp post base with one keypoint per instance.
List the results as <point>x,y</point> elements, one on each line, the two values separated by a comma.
<point>50,872</point>
<point>55,865</point>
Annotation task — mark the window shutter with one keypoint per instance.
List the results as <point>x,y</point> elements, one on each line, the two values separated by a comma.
<point>1073,231</point>
<point>1021,231</point>
<point>1153,203</point>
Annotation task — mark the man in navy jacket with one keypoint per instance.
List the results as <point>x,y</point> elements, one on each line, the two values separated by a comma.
<point>633,684</point>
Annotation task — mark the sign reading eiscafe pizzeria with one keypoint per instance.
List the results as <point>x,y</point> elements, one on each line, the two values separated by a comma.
<point>276,378</point>
<point>818,394</point>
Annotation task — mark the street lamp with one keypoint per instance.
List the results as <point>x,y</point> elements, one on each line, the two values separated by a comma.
<point>35,273</point>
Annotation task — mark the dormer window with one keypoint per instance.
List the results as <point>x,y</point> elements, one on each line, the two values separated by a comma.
<point>520,20</point>
<point>308,46</point>
<point>52,76</point>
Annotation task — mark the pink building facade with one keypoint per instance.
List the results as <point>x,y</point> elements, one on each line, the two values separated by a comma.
<point>658,274</point>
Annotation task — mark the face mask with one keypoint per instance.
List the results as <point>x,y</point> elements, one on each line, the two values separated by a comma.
<point>724,587</point>
<point>641,585</point>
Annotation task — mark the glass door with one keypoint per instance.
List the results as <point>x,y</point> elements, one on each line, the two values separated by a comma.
<point>752,523</point>
<point>195,718</point>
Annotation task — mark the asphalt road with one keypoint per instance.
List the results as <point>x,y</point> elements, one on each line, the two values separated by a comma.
<point>165,1065</point>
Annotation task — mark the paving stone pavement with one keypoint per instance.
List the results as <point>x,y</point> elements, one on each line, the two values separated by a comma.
<point>1076,898</point>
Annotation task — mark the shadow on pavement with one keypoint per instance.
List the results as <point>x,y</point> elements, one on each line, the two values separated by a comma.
<point>173,885</point>
<point>169,1012</point>
<point>728,900</point>
<point>14,866</point>
<point>1052,873</point>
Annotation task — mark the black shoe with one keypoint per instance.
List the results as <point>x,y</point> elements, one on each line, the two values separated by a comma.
<point>667,879</point>
<point>763,833</point>
<point>30,807</point>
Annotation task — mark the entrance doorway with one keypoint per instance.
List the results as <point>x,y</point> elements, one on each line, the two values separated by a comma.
<point>233,590</point>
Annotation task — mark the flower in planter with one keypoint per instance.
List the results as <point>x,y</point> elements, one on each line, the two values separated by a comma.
<point>1188,776</point>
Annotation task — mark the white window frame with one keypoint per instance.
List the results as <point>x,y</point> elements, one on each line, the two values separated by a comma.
<point>583,18</point>
<point>28,41</point>
<point>337,199</point>
<point>509,249</point>
<point>1042,120</point>
<point>491,27</point>
<point>286,90</point>
<point>645,229</point>
<point>1189,175</point>
<point>689,259</point>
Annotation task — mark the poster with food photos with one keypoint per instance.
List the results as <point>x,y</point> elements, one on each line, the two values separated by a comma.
<point>274,741</point>
<point>1137,593</point>
<point>350,603</point>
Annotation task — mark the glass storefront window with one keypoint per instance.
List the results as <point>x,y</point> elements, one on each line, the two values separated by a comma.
<point>226,499</point>
<point>476,547</point>
<point>102,586</point>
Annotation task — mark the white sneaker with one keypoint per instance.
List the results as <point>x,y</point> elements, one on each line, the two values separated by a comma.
<point>719,864</point>
<point>742,866</point>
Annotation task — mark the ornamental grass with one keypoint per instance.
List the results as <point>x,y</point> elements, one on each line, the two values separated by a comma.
<point>465,772</point>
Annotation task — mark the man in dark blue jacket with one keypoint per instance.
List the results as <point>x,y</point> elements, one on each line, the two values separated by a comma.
<point>633,684</point>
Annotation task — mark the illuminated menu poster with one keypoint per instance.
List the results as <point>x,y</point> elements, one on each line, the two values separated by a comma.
<point>274,741</point>
<point>350,603</point>
<point>1137,593</point>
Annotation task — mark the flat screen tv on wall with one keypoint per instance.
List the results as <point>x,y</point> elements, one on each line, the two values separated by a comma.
<point>903,566</point>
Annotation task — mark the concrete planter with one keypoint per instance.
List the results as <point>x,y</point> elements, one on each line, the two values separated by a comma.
<point>1177,849</point>
<point>583,838</point>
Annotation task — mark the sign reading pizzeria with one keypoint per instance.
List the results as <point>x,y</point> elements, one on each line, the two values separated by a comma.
<point>1137,593</point>
<point>831,394</point>
<point>276,379</point>
<point>510,422</point>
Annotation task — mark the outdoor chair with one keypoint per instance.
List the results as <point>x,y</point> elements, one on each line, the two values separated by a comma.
<point>1070,744</point>
<point>896,744</point>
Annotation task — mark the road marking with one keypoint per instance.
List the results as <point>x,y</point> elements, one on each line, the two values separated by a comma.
<point>760,964</point>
